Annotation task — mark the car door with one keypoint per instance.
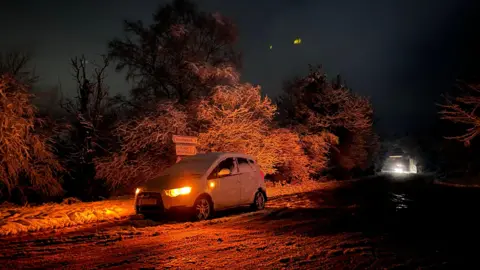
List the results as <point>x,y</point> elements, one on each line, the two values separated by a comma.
<point>227,189</point>
<point>247,180</point>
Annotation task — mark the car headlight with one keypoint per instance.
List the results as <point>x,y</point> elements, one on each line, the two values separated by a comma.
<point>398,170</point>
<point>178,191</point>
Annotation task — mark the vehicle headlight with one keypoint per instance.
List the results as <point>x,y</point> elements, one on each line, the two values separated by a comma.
<point>137,191</point>
<point>178,191</point>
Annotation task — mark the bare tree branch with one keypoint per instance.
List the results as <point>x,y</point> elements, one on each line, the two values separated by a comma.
<point>17,64</point>
<point>92,115</point>
<point>463,110</point>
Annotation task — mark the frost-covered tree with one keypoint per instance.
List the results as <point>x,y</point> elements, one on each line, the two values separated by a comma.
<point>238,119</point>
<point>169,58</point>
<point>292,162</point>
<point>145,138</point>
<point>463,109</point>
<point>146,146</point>
<point>26,157</point>
<point>317,104</point>
<point>329,111</point>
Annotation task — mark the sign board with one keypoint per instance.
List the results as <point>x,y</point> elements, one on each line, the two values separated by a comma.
<point>185,145</point>
<point>185,149</point>
<point>184,139</point>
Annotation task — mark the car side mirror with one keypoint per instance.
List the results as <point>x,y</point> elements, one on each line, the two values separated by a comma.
<point>224,172</point>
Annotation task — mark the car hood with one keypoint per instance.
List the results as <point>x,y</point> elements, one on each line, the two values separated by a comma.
<point>170,181</point>
<point>187,172</point>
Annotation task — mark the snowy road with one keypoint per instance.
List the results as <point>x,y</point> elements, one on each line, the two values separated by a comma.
<point>348,227</point>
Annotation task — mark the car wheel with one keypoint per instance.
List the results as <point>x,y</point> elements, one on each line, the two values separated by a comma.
<point>203,208</point>
<point>259,201</point>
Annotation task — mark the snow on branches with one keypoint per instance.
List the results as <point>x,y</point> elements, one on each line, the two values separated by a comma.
<point>146,147</point>
<point>463,110</point>
<point>319,104</point>
<point>317,109</point>
<point>24,154</point>
<point>238,119</point>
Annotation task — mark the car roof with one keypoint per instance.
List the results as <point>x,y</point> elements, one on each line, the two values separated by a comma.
<point>216,155</point>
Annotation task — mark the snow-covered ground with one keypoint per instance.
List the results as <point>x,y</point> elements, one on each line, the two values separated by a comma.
<point>296,231</point>
<point>279,190</point>
<point>15,220</point>
<point>339,225</point>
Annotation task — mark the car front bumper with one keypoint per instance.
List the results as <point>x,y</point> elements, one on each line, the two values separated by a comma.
<point>149,208</point>
<point>162,203</point>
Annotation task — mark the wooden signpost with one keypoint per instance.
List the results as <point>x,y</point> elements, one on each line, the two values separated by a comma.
<point>184,139</point>
<point>185,146</point>
<point>185,150</point>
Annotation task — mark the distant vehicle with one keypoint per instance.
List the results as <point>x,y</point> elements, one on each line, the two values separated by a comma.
<point>204,183</point>
<point>399,165</point>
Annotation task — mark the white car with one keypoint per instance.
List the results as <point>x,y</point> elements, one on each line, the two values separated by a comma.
<point>204,183</point>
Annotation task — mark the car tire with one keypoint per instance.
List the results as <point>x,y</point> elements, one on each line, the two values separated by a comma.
<point>259,201</point>
<point>202,208</point>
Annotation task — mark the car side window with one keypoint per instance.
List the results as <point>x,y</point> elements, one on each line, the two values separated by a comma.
<point>252,163</point>
<point>225,164</point>
<point>243,165</point>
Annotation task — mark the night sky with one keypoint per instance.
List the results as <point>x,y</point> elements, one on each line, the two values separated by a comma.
<point>403,53</point>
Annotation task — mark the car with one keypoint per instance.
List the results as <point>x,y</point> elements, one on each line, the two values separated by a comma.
<point>202,184</point>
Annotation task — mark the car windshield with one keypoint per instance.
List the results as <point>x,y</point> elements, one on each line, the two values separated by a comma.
<point>198,164</point>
